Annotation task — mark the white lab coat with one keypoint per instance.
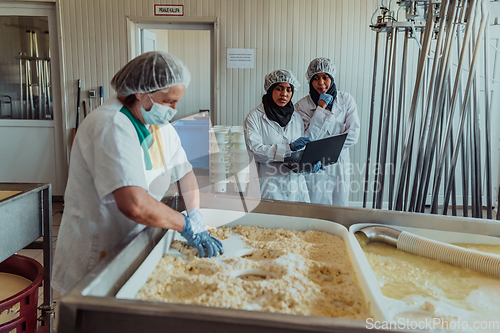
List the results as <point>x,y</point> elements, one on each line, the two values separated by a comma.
<point>107,155</point>
<point>269,144</point>
<point>331,186</point>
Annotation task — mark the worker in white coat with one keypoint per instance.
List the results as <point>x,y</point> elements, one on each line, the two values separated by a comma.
<point>327,112</point>
<point>272,131</point>
<point>124,157</point>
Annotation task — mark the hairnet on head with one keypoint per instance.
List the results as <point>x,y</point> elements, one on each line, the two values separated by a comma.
<point>320,65</point>
<point>149,72</point>
<point>278,76</point>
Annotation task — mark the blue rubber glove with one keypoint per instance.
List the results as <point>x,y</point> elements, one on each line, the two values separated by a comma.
<point>197,235</point>
<point>327,98</point>
<point>300,143</point>
<point>316,167</point>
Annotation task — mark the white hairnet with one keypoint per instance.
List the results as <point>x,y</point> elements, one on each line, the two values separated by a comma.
<point>278,76</point>
<point>320,65</point>
<point>149,72</point>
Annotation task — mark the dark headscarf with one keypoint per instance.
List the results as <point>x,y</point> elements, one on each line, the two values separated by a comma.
<point>331,91</point>
<point>279,114</point>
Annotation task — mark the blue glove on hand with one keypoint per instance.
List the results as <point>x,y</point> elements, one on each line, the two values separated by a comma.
<point>197,235</point>
<point>316,167</point>
<point>300,143</point>
<point>327,98</point>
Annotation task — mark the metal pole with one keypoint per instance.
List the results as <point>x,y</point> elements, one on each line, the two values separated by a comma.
<point>465,165</point>
<point>421,63</point>
<point>450,119</point>
<point>400,109</point>
<point>387,115</point>
<point>377,170</point>
<point>47,71</point>
<point>453,189</point>
<point>370,125</point>
<point>477,138</point>
<point>437,106</point>
<point>21,99</point>
<point>487,118</point>
<point>431,89</point>
<point>467,91</point>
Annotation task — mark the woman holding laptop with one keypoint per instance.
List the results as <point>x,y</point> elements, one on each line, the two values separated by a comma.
<point>272,131</point>
<point>327,112</point>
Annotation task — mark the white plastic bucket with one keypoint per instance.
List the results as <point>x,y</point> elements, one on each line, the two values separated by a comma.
<point>219,157</point>
<point>221,187</point>
<point>240,167</point>
<point>218,177</point>
<point>219,167</point>
<point>238,146</point>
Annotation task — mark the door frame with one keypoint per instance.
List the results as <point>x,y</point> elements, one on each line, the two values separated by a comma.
<point>51,10</point>
<point>134,23</point>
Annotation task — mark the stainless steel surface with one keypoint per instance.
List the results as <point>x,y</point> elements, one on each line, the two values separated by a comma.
<point>20,221</point>
<point>92,307</point>
<point>24,218</point>
<point>381,234</point>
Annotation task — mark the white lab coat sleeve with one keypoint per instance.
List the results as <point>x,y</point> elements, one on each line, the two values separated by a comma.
<point>319,124</point>
<point>262,152</point>
<point>117,158</point>
<point>352,125</point>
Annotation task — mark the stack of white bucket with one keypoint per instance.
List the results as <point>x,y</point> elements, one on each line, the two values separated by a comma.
<point>228,158</point>
<point>240,169</point>
<point>219,157</point>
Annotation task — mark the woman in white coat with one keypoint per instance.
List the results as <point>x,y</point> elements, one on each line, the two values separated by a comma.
<point>125,156</point>
<point>327,112</point>
<point>272,131</point>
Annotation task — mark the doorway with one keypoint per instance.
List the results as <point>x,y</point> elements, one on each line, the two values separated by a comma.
<point>192,47</point>
<point>192,40</point>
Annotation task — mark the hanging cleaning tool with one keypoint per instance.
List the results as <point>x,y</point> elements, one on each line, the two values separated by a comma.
<point>84,109</point>
<point>78,105</point>
<point>92,95</point>
<point>101,93</point>
<point>429,248</point>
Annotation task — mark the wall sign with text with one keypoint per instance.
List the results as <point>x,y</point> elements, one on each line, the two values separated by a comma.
<point>240,58</point>
<point>169,10</point>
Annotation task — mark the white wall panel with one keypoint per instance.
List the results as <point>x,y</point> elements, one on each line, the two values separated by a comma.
<point>284,33</point>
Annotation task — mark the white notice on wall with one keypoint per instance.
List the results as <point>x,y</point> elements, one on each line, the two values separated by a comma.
<point>240,58</point>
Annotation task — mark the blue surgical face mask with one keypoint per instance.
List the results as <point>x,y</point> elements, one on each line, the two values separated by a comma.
<point>158,115</point>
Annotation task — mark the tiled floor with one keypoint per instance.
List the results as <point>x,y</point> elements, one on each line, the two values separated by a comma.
<point>57,208</point>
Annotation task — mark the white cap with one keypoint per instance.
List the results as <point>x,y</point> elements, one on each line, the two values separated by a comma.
<point>320,65</point>
<point>278,76</point>
<point>151,71</point>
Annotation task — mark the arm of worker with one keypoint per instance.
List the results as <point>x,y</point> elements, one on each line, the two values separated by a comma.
<point>136,204</point>
<point>190,191</point>
<point>262,152</point>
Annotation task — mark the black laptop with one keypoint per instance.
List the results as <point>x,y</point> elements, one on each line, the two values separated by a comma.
<point>326,150</point>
